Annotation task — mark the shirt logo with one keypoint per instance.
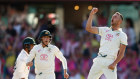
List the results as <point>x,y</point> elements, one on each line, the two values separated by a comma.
<point>109,37</point>
<point>117,34</point>
<point>44,57</point>
<point>107,30</point>
<point>49,49</point>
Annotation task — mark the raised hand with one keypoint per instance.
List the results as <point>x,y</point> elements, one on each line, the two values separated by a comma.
<point>94,10</point>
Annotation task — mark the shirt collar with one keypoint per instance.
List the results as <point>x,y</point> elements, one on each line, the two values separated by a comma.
<point>42,46</point>
<point>119,30</point>
<point>25,52</point>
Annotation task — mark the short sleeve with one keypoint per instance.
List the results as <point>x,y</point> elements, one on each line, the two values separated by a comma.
<point>101,30</point>
<point>124,39</point>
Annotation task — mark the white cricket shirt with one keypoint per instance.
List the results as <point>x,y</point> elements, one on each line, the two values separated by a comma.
<point>21,70</point>
<point>111,40</point>
<point>45,58</point>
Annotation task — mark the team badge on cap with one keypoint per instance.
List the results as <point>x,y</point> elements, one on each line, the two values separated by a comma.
<point>46,33</point>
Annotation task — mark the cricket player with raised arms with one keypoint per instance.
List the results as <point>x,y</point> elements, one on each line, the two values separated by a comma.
<point>21,71</point>
<point>44,55</point>
<point>112,47</point>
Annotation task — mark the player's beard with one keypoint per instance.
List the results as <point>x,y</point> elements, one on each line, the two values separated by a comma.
<point>43,42</point>
<point>113,24</point>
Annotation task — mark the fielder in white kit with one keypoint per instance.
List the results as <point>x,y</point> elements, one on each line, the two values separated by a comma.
<point>44,55</point>
<point>112,47</point>
<point>21,71</point>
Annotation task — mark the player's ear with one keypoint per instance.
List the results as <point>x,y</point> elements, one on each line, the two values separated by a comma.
<point>41,38</point>
<point>121,21</point>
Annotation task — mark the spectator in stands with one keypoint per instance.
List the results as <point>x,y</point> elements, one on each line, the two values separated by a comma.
<point>129,30</point>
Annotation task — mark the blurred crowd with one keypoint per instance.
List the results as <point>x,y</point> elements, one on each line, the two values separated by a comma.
<point>77,45</point>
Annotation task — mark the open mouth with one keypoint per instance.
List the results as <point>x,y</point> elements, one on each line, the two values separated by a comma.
<point>112,20</point>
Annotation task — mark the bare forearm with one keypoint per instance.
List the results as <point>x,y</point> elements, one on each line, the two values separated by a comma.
<point>65,70</point>
<point>89,27</point>
<point>89,22</point>
<point>120,55</point>
<point>66,75</point>
<point>119,58</point>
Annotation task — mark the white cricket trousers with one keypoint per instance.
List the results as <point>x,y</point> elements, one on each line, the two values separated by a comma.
<point>17,77</point>
<point>46,76</point>
<point>100,66</point>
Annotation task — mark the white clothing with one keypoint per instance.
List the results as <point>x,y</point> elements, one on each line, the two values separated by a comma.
<point>21,70</point>
<point>111,40</point>
<point>109,47</point>
<point>45,59</point>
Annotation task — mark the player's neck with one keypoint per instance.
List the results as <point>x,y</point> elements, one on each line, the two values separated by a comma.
<point>43,45</point>
<point>26,50</point>
<point>115,27</point>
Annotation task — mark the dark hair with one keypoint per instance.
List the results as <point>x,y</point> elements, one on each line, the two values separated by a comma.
<point>129,20</point>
